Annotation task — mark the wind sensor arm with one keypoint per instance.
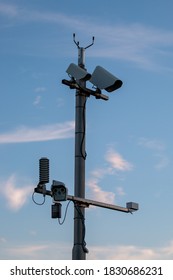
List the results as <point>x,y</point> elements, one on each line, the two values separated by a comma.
<point>59,192</point>
<point>77,42</point>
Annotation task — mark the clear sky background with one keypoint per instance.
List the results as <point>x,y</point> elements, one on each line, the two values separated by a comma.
<point>129,138</point>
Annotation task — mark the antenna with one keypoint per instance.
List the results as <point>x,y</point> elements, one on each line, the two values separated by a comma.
<point>77,42</point>
<point>43,170</point>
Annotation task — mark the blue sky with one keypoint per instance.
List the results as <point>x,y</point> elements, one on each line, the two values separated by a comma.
<point>129,138</point>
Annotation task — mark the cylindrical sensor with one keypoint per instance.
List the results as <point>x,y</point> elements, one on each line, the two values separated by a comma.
<point>44,170</point>
<point>56,210</point>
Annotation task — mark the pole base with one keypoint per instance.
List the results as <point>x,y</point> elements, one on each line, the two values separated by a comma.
<point>78,252</point>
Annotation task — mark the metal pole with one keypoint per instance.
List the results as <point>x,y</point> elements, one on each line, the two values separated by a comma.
<point>78,252</point>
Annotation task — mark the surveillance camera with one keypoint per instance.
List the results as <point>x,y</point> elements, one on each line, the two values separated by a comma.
<point>102,79</point>
<point>77,72</point>
<point>132,206</point>
<point>59,191</point>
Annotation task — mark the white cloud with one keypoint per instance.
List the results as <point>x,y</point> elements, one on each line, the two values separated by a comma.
<point>128,252</point>
<point>152,144</point>
<point>117,162</point>
<point>28,252</point>
<point>120,191</point>
<point>137,43</point>
<point>54,251</point>
<point>37,100</point>
<point>95,190</point>
<point>98,194</point>
<point>158,149</point>
<point>40,89</point>
<point>23,14</point>
<point>40,251</point>
<point>163,161</point>
<point>15,197</point>
<point>43,133</point>
<point>168,250</point>
<point>99,173</point>
<point>131,252</point>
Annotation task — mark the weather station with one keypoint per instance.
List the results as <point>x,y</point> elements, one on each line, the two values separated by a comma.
<point>100,79</point>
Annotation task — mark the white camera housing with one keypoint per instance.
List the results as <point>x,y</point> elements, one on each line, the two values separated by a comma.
<point>59,191</point>
<point>102,79</point>
<point>78,73</point>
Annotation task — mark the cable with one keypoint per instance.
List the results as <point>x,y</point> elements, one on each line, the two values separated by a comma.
<point>37,202</point>
<point>84,155</point>
<point>61,223</point>
<point>83,225</point>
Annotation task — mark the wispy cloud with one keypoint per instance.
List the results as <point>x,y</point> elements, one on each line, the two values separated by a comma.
<point>27,252</point>
<point>152,144</point>
<point>163,161</point>
<point>40,251</point>
<point>25,134</point>
<point>131,252</point>
<point>15,197</point>
<point>145,46</point>
<point>98,194</point>
<point>120,191</point>
<point>54,251</point>
<point>95,189</point>
<point>22,14</point>
<point>3,240</point>
<point>37,100</point>
<point>158,151</point>
<point>40,89</point>
<point>8,10</point>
